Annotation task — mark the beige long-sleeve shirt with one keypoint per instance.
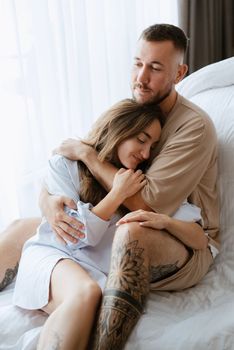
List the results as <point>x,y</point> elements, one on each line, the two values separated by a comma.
<point>186,166</point>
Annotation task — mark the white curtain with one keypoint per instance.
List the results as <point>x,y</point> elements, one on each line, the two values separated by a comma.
<point>62,63</point>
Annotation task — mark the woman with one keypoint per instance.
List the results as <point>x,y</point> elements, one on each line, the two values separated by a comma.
<point>66,281</point>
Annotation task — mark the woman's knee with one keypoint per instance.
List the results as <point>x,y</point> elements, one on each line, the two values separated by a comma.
<point>87,291</point>
<point>91,291</point>
<point>87,295</point>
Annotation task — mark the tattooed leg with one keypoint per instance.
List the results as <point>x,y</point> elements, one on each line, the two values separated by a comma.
<point>158,273</point>
<point>124,296</point>
<point>139,256</point>
<point>11,243</point>
<point>9,277</point>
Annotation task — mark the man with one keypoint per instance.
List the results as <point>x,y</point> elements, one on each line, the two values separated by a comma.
<point>185,166</point>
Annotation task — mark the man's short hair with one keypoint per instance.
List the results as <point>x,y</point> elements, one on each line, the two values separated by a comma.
<point>166,32</point>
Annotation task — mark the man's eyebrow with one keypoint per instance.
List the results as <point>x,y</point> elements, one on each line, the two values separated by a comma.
<point>157,62</point>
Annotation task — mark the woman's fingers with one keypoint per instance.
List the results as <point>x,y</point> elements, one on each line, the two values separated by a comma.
<point>150,224</point>
<point>139,215</point>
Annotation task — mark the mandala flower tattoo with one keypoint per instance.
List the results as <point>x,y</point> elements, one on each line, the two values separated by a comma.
<point>9,277</point>
<point>128,271</point>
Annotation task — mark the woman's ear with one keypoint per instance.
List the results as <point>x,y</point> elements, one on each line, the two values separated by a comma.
<point>181,72</point>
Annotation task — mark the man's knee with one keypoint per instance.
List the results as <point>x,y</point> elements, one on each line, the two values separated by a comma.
<point>129,261</point>
<point>129,232</point>
<point>159,246</point>
<point>25,224</point>
<point>20,230</point>
<point>149,239</point>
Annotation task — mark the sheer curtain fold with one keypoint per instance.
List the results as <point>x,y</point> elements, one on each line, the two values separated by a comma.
<point>62,63</point>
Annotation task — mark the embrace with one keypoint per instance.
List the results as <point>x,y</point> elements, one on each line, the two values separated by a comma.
<point>130,209</point>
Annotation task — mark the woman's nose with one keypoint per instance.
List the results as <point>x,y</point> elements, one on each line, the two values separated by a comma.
<point>145,153</point>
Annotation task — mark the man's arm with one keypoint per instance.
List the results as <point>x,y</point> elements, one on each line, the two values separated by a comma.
<point>104,172</point>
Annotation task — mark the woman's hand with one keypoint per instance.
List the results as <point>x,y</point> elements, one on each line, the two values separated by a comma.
<point>146,219</point>
<point>74,149</point>
<point>190,233</point>
<point>64,226</point>
<point>127,182</point>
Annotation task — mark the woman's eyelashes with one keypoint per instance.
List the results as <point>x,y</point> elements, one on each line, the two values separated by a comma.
<point>140,140</point>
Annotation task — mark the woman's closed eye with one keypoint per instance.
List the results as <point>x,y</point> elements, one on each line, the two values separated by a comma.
<point>140,140</point>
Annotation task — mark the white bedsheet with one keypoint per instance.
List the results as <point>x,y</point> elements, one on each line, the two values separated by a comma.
<point>202,317</point>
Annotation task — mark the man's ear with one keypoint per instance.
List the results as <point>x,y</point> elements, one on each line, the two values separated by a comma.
<point>181,72</point>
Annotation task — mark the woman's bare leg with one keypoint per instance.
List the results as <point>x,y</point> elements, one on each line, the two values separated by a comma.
<point>12,240</point>
<point>74,299</point>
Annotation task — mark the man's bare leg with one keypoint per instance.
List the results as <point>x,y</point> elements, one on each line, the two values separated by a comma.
<point>139,255</point>
<point>11,244</point>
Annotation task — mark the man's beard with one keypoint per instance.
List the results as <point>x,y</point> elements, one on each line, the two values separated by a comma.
<point>156,99</point>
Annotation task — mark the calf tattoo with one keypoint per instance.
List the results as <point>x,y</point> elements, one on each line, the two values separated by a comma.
<point>128,271</point>
<point>158,273</point>
<point>9,276</point>
<point>124,297</point>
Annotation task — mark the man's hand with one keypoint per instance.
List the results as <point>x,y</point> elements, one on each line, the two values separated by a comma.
<point>74,149</point>
<point>66,227</point>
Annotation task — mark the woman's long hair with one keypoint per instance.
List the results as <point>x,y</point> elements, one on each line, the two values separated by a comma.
<point>122,121</point>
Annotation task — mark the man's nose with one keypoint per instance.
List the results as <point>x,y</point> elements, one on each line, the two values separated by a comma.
<point>143,75</point>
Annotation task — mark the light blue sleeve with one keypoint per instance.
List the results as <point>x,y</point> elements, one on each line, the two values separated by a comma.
<point>188,212</point>
<point>63,179</point>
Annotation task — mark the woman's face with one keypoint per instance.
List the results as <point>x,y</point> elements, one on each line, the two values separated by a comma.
<point>135,150</point>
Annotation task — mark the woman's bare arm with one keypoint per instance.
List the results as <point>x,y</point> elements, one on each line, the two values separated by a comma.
<point>104,172</point>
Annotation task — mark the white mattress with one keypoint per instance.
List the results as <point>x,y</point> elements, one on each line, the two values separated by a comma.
<point>202,317</point>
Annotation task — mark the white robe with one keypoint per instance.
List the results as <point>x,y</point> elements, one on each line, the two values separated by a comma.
<point>42,252</point>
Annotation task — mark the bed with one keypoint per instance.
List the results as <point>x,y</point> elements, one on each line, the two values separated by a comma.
<point>201,317</point>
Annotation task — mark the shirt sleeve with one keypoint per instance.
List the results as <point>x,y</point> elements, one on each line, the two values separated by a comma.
<point>182,162</point>
<point>63,179</point>
<point>94,227</point>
